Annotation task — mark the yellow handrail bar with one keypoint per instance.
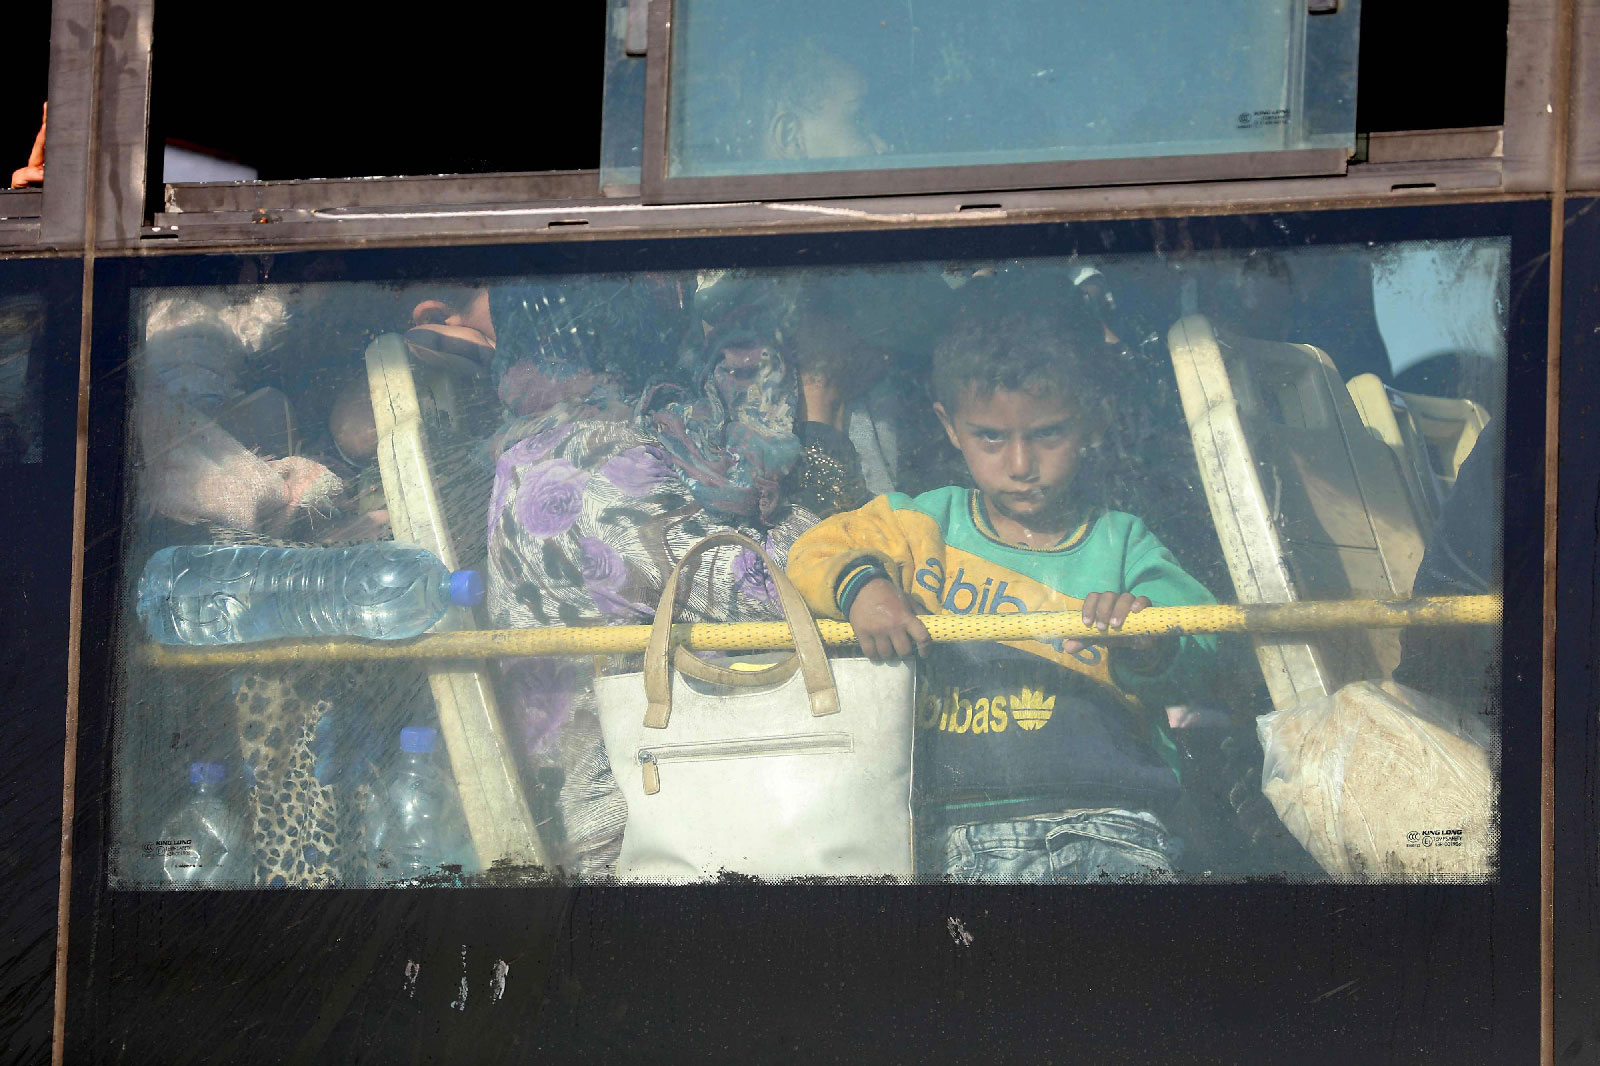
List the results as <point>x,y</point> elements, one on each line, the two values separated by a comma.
<point>1256,618</point>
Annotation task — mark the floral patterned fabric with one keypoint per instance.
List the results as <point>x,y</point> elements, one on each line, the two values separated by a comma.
<point>586,523</point>
<point>597,496</point>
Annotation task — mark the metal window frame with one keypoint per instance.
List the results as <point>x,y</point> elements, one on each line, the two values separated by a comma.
<point>99,89</point>
<point>103,397</point>
<point>124,118</point>
<point>1522,158</point>
<point>1516,161</point>
<point>1583,135</point>
<point>1535,51</point>
<point>50,218</point>
<point>1436,166</point>
<point>19,217</point>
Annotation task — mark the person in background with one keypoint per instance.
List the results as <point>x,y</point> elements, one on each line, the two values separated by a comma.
<point>801,102</point>
<point>33,173</point>
<point>643,417</point>
<point>1037,762</point>
<point>813,106</point>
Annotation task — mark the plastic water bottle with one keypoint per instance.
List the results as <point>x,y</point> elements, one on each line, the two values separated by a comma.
<point>416,827</point>
<point>205,843</point>
<point>221,594</point>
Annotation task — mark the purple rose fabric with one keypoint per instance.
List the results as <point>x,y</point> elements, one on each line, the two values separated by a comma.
<point>600,564</point>
<point>528,450</point>
<point>751,575</point>
<point>604,571</point>
<point>531,449</point>
<point>638,471</point>
<point>551,497</point>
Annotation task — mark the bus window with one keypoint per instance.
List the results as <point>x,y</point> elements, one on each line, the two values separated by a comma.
<point>1289,456</point>
<point>773,89</point>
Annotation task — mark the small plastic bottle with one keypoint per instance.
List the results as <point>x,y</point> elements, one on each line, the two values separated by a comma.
<point>205,843</point>
<point>219,594</point>
<point>415,827</point>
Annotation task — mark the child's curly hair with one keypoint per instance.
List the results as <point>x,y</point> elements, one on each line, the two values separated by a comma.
<point>1059,354</point>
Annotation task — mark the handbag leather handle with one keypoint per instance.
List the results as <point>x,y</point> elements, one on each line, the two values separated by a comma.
<point>809,656</point>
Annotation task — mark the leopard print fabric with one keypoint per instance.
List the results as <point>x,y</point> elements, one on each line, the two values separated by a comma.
<point>294,818</point>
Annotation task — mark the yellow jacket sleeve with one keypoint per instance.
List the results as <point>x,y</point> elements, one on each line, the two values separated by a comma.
<point>874,533</point>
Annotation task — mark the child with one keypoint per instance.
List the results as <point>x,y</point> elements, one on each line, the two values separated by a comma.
<point>795,103</point>
<point>1035,761</point>
<point>812,107</point>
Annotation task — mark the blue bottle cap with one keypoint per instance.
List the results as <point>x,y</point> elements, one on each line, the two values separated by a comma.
<point>418,739</point>
<point>466,588</point>
<point>206,773</point>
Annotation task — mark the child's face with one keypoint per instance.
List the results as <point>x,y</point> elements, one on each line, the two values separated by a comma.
<point>837,129</point>
<point>1022,450</point>
<point>833,129</point>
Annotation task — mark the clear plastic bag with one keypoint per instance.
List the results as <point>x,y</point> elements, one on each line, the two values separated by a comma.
<point>1381,782</point>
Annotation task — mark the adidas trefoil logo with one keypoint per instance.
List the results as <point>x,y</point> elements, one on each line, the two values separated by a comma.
<point>1031,709</point>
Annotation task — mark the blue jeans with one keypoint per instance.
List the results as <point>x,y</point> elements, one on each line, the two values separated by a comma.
<point>1069,847</point>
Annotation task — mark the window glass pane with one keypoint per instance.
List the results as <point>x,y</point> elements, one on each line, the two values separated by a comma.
<point>622,115</point>
<point>23,358</point>
<point>39,311</point>
<point>937,450</point>
<point>764,88</point>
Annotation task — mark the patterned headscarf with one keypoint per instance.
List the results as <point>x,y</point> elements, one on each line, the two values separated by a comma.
<point>732,438</point>
<point>579,349</point>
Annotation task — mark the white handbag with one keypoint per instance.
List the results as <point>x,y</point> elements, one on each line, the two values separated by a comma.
<point>798,769</point>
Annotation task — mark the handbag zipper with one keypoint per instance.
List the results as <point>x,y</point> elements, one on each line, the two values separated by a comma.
<point>793,744</point>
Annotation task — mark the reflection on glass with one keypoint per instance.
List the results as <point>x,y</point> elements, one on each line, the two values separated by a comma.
<point>782,88</point>
<point>21,412</point>
<point>931,451</point>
